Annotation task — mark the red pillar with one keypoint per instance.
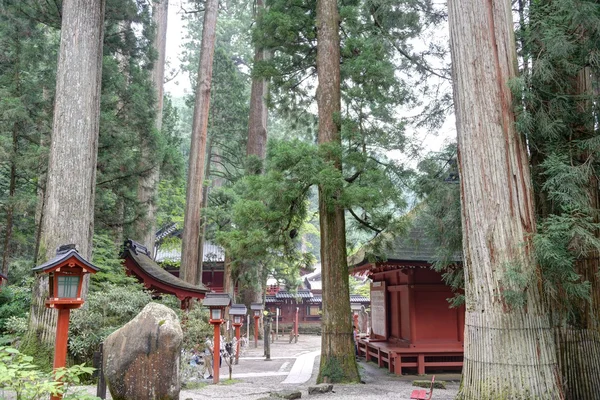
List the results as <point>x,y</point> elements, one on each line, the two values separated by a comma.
<point>296,339</point>
<point>216,352</point>
<point>256,331</point>
<point>60,346</point>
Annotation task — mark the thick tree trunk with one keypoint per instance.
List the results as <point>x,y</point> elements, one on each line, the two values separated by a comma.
<point>256,146</point>
<point>257,122</point>
<point>69,205</point>
<point>205,190</point>
<point>193,204</point>
<point>338,363</point>
<point>148,184</point>
<point>509,349</point>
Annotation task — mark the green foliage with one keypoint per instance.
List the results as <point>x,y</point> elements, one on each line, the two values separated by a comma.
<point>515,282</point>
<point>14,307</point>
<point>20,375</point>
<point>195,328</point>
<point>261,217</point>
<point>29,54</point>
<point>440,214</point>
<point>108,307</point>
<point>358,287</point>
<point>559,44</point>
<point>105,255</point>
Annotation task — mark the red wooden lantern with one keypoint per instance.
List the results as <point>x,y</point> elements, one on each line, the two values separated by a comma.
<point>66,272</point>
<point>216,302</point>
<point>257,313</point>
<point>238,312</point>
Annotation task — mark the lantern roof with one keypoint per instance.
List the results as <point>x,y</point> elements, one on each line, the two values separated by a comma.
<point>63,255</point>
<point>217,300</point>
<point>257,306</point>
<point>238,309</point>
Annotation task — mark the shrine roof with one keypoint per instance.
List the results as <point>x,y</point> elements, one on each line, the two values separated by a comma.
<point>140,255</point>
<point>354,298</point>
<point>211,253</point>
<point>63,254</point>
<point>413,249</point>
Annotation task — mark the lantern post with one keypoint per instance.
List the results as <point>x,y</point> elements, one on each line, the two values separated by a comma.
<point>238,312</point>
<point>257,313</point>
<point>65,274</point>
<point>216,302</point>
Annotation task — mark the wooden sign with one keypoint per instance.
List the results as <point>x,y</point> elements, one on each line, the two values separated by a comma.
<point>379,310</point>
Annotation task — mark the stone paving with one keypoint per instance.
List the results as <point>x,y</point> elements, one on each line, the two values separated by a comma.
<point>294,366</point>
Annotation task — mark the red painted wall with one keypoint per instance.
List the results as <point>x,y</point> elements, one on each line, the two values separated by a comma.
<point>418,313</point>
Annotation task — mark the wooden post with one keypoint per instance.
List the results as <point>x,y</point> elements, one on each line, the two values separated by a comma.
<point>216,352</point>
<point>256,331</point>
<point>421,364</point>
<point>296,327</point>
<point>237,344</point>
<point>101,386</point>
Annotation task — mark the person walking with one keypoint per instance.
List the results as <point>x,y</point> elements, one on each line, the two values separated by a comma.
<point>208,357</point>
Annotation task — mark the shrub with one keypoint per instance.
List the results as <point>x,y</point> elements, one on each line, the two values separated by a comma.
<point>20,375</point>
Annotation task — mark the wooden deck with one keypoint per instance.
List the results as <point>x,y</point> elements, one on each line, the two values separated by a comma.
<point>395,358</point>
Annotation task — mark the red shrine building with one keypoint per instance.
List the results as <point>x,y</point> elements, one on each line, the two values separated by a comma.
<point>413,328</point>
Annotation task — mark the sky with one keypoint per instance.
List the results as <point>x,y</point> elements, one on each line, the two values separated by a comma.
<point>175,31</point>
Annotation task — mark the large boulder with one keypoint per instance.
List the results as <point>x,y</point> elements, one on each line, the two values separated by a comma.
<point>141,360</point>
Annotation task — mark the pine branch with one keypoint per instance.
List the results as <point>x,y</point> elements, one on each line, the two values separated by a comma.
<point>365,223</point>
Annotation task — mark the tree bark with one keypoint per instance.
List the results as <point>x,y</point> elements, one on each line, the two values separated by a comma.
<point>257,122</point>
<point>509,349</point>
<point>148,184</point>
<point>338,363</point>
<point>193,204</point>
<point>69,205</point>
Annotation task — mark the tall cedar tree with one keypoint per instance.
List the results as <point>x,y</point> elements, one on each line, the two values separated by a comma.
<point>509,348</point>
<point>338,363</point>
<point>256,147</point>
<point>68,216</point>
<point>148,182</point>
<point>190,261</point>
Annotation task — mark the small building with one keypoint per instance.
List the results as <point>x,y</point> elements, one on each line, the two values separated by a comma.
<point>413,327</point>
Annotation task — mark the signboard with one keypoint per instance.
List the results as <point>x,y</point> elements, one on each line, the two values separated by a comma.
<point>379,310</point>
